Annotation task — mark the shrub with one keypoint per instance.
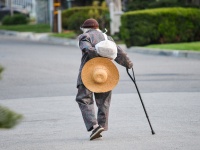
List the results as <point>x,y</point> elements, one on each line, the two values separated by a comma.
<point>9,118</point>
<point>75,20</point>
<point>162,25</point>
<point>1,70</point>
<point>74,17</point>
<point>147,4</point>
<point>15,20</point>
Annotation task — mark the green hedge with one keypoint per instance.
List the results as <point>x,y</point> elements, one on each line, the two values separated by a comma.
<point>15,20</point>
<point>162,25</point>
<point>148,4</point>
<point>74,17</point>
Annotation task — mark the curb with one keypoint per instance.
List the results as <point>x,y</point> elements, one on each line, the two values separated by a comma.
<point>162,52</point>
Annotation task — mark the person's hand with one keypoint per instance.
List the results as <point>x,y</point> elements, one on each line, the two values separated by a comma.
<point>130,65</point>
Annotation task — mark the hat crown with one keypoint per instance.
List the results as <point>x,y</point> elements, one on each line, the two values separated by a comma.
<point>90,23</point>
<point>100,75</point>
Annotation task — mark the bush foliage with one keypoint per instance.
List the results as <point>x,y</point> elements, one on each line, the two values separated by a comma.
<point>74,17</point>
<point>15,20</point>
<point>161,25</point>
<point>1,70</point>
<point>9,118</point>
<point>148,4</point>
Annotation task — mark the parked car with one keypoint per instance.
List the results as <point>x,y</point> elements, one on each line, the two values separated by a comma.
<point>6,11</point>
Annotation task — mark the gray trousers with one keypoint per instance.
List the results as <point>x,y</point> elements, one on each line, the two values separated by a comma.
<point>84,98</point>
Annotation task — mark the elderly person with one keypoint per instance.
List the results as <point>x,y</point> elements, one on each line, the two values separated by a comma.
<point>87,41</point>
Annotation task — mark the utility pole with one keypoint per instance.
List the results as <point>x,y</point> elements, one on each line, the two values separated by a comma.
<point>57,25</point>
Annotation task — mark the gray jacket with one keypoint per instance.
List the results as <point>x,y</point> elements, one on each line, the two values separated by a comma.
<point>87,42</point>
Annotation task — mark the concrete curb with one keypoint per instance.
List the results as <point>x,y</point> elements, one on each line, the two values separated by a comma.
<point>44,37</point>
<point>162,52</point>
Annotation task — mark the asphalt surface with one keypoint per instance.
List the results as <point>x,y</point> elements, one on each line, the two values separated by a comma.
<point>39,82</point>
<point>34,69</point>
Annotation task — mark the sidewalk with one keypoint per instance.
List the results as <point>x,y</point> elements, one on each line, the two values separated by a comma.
<point>44,37</point>
<point>50,124</point>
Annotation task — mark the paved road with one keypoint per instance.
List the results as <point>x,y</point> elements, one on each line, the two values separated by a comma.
<point>39,82</point>
<point>39,70</point>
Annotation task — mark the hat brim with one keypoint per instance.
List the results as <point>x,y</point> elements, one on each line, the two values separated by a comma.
<point>112,75</point>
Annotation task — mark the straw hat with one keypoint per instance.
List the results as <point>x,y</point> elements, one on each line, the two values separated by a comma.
<point>100,75</point>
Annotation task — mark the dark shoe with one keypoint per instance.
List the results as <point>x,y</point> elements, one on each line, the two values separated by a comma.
<point>96,133</point>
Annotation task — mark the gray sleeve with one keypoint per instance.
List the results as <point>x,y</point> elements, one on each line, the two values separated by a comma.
<point>122,57</point>
<point>86,46</point>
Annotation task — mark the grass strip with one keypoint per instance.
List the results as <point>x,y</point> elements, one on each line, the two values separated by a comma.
<point>70,35</point>
<point>37,28</point>
<point>193,46</point>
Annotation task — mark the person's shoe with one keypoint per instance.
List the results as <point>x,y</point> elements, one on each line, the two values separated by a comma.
<point>96,133</point>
